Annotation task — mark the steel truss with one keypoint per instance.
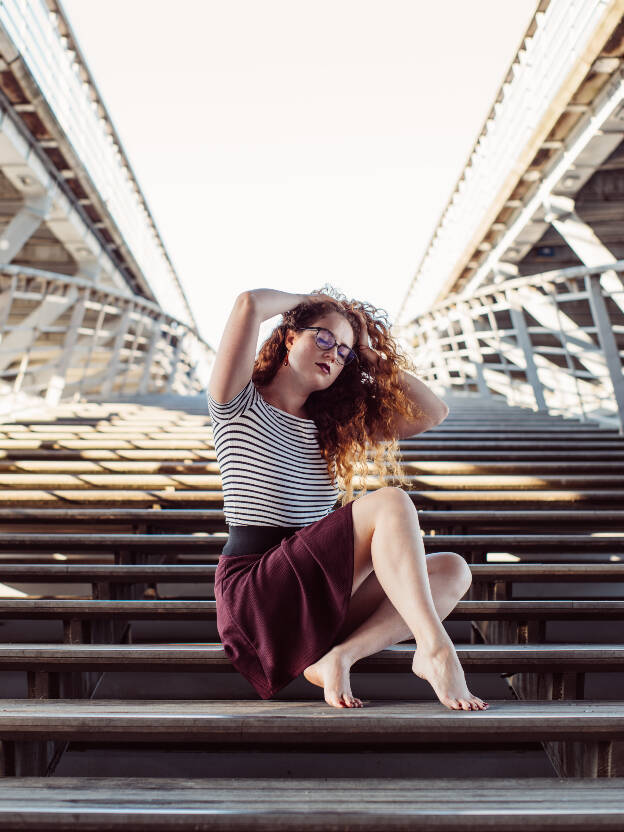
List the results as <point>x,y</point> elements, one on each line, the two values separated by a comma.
<point>551,342</point>
<point>63,337</point>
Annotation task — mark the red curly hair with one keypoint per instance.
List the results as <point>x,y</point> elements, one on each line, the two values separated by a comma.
<point>363,401</point>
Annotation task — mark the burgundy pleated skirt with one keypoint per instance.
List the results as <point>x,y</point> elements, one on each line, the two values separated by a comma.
<point>280,610</point>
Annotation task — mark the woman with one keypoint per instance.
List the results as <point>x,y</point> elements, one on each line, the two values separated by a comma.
<point>300,588</point>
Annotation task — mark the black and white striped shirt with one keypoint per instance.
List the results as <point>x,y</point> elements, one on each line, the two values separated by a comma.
<point>272,470</point>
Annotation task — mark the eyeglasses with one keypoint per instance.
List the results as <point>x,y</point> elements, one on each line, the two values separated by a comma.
<point>325,341</point>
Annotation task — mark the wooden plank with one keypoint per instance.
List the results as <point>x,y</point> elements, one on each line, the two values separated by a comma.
<point>206,519</point>
<point>172,573</point>
<point>475,658</point>
<point>425,442</point>
<point>83,480</point>
<point>47,451</point>
<point>309,722</point>
<point>312,805</point>
<point>561,572</point>
<point>183,610</point>
<point>450,453</point>
<point>24,541</point>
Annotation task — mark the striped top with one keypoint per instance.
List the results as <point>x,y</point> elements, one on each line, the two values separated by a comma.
<point>272,470</point>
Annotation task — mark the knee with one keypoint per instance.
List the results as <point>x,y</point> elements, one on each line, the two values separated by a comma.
<point>464,573</point>
<point>392,496</point>
<point>458,571</point>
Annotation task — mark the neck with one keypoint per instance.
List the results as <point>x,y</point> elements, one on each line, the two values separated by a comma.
<point>284,393</point>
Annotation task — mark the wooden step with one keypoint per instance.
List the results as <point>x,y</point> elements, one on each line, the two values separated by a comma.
<point>505,454</point>
<point>184,610</point>
<point>85,480</point>
<point>501,454</point>
<point>485,481</point>
<point>210,544</point>
<point>201,657</point>
<point>312,805</point>
<point>197,519</point>
<point>180,482</point>
<point>130,454</point>
<point>213,499</point>
<point>442,443</point>
<point>200,573</point>
<point>434,467</point>
<point>309,723</point>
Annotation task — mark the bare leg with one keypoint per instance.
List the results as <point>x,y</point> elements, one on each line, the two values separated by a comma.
<point>384,627</point>
<point>395,549</point>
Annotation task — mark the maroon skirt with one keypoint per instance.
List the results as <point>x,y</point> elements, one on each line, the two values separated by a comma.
<point>281,610</point>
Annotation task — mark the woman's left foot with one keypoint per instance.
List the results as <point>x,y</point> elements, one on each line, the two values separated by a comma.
<point>331,672</point>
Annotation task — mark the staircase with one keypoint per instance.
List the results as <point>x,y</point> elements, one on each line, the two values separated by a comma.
<point>120,708</point>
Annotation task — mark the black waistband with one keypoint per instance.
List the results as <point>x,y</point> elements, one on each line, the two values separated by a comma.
<point>247,540</point>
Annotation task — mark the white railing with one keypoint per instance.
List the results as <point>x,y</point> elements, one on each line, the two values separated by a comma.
<point>63,337</point>
<point>551,342</point>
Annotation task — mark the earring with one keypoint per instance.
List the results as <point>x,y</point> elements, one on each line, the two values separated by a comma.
<point>286,360</point>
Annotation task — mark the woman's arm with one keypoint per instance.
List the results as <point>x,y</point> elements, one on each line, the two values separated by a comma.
<point>434,410</point>
<point>270,302</point>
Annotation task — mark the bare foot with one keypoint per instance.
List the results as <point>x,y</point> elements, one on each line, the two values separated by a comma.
<point>331,672</point>
<point>442,669</point>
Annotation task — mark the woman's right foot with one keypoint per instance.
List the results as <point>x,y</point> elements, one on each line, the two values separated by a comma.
<point>440,667</point>
<point>331,672</point>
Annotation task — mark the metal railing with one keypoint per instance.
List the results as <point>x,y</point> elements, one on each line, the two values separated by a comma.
<point>560,36</point>
<point>63,338</point>
<point>552,342</point>
<point>82,118</point>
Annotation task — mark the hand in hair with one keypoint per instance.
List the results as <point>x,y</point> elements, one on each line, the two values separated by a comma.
<point>366,352</point>
<point>319,297</point>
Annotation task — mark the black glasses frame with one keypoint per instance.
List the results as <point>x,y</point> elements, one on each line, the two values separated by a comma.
<point>352,354</point>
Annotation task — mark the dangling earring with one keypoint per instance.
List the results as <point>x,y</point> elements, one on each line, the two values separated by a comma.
<point>286,359</point>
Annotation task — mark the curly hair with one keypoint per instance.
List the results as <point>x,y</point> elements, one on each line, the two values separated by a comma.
<point>359,407</point>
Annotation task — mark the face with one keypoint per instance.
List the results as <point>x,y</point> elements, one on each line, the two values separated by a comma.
<point>304,355</point>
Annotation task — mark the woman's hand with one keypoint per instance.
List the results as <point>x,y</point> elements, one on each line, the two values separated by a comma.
<point>365,352</point>
<point>319,298</point>
<point>363,339</point>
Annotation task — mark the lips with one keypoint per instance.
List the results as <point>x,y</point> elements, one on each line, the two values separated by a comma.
<point>325,368</point>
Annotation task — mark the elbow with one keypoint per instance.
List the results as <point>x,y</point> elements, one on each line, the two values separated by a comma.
<point>247,300</point>
<point>443,414</point>
<point>245,297</point>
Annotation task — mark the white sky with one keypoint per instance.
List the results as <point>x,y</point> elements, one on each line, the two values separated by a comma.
<point>283,144</point>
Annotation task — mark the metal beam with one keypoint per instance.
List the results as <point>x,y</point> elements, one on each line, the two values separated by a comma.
<point>120,337</point>
<point>23,225</point>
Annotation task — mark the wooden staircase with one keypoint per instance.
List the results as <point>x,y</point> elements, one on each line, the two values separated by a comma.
<point>114,679</point>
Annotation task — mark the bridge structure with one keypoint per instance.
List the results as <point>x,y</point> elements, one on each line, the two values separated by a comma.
<point>90,304</point>
<point>519,295</point>
<point>120,706</point>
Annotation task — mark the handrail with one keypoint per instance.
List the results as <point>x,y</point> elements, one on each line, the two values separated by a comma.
<point>32,29</point>
<point>546,341</point>
<point>84,283</point>
<point>63,336</point>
